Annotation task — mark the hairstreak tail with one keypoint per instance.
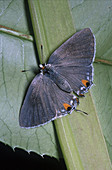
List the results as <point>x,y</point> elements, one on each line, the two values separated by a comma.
<point>69,69</point>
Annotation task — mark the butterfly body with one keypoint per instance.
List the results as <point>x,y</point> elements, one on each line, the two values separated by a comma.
<point>57,78</point>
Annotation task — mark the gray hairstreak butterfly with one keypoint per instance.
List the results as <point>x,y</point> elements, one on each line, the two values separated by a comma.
<point>69,69</point>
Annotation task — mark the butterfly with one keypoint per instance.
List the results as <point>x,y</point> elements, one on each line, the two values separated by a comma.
<point>69,69</point>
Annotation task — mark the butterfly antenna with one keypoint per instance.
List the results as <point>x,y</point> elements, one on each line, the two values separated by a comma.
<point>42,52</point>
<point>81,111</point>
<point>25,70</point>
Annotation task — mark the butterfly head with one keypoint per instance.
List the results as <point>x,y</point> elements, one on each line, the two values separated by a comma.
<point>44,68</point>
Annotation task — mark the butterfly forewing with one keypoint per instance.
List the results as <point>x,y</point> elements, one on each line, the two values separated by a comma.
<point>73,60</point>
<point>76,51</point>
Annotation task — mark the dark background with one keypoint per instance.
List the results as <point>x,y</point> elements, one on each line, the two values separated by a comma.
<point>19,159</point>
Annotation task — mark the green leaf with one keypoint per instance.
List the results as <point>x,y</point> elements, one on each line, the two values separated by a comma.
<point>13,14</point>
<point>80,136</point>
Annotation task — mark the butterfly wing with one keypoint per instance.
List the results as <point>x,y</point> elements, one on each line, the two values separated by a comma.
<point>44,102</point>
<point>73,60</point>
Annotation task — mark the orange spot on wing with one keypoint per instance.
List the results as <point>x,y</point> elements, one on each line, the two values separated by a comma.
<point>85,83</point>
<point>66,106</point>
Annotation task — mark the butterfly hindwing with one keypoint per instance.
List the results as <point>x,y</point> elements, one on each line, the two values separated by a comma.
<point>44,102</point>
<point>77,81</point>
